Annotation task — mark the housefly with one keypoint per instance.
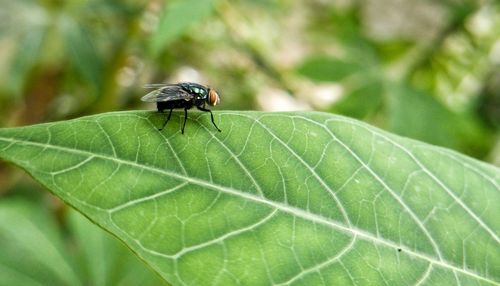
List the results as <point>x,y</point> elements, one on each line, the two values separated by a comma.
<point>182,95</point>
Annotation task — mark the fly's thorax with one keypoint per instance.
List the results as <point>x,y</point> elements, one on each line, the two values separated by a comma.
<point>199,91</point>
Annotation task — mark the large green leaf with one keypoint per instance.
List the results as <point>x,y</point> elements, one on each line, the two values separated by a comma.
<point>275,198</point>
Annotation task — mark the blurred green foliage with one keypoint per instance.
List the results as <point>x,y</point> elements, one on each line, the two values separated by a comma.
<point>37,251</point>
<point>419,68</point>
<point>429,70</point>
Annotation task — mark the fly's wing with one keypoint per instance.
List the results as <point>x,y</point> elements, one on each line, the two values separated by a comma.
<point>158,85</point>
<point>166,92</point>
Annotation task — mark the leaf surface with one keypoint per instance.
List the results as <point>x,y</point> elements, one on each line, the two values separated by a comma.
<point>275,198</point>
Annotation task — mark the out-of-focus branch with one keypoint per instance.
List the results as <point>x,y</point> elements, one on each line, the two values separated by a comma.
<point>424,53</point>
<point>110,89</point>
<point>234,21</point>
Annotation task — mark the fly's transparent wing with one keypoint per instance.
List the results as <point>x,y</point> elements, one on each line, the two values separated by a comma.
<point>157,85</point>
<point>166,92</point>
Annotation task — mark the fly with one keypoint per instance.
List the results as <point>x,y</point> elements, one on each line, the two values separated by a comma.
<point>182,95</point>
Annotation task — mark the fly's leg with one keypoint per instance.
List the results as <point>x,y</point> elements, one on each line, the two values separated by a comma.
<point>185,119</point>
<point>168,118</point>
<point>211,116</point>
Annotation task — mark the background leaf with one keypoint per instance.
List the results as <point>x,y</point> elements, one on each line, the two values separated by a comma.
<point>177,18</point>
<point>26,58</point>
<point>323,68</point>
<point>362,101</point>
<point>30,240</point>
<point>408,107</point>
<point>36,251</point>
<point>281,198</point>
<point>83,53</point>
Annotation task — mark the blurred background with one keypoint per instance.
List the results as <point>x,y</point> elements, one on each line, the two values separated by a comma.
<point>424,69</point>
<point>429,70</point>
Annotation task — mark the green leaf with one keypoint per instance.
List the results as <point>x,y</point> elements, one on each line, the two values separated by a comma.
<point>28,53</point>
<point>105,260</point>
<point>178,17</point>
<point>34,251</point>
<point>82,51</point>
<point>323,68</point>
<point>418,115</point>
<point>361,101</point>
<point>275,198</point>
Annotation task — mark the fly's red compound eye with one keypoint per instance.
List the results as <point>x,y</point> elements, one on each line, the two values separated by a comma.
<point>213,97</point>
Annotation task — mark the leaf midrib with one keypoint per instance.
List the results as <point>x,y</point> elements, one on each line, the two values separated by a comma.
<point>238,193</point>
